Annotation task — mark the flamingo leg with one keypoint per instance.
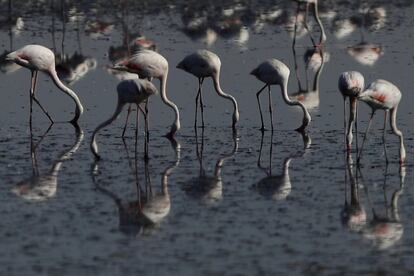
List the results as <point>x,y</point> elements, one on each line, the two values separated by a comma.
<point>37,101</point>
<point>383,136</point>
<point>260,108</point>
<point>270,107</point>
<point>201,102</point>
<point>147,120</point>
<point>356,125</point>
<point>31,97</point>
<point>146,139</point>
<point>136,128</point>
<point>196,102</point>
<point>345,122</point>
<point>126,121</point>
<point>352,108</point>
<point>365,136</point>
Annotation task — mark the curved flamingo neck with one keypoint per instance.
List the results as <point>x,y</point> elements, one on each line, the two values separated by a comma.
<point>67,154</point>
<point>353,111</point>
<point>163,83</point>
<point>393,122</point>
<point>68,91</point>
<point>93,145</point>
<point>217,87</point>
<point>318,73</point>
<point>323,35</point>
<point>167,172</point>
<point>288,101</point>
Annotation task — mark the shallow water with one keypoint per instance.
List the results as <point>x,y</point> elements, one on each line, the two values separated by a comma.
<point>323,215</point>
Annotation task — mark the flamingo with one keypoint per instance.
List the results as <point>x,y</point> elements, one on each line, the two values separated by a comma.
<point>129,91</point>
<point>382,94</point>
<point>203,64</point>
<point>351,84</point>
<point>39,58</point>
<point>276,72</point>
<point>150,64</point>
<point>322,39</point>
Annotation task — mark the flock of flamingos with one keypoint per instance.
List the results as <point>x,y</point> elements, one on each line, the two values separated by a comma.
<point>148,64</point>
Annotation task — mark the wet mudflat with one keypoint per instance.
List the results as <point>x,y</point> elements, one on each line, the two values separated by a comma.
<point>204,204</point>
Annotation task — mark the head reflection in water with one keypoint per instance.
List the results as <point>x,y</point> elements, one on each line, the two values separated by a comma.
<point>150,208</point>
<point>386,230</point>
<point>43,186</point>
<point>277,187</point>
<point>208,189</point>
<point>353,214</point>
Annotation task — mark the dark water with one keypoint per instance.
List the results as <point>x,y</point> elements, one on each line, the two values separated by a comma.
<point>206,205</point>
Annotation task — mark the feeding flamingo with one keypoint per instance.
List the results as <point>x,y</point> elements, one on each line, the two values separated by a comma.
<point>150,64</point>
<point>203,64</point>
<point>382,94</point>
<point>276,72</point>
<point>351,84</point>
<point>39,58</point>
<point>134,91</point>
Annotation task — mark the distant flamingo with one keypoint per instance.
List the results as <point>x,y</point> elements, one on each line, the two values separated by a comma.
<point>316,15</point>
<point>150,64</point>
<point>276,72</point>
<point>134,91</point>
<point>351,84</point>
<point>39,58</point>
<point>382,94</point>
<point>203,64</point>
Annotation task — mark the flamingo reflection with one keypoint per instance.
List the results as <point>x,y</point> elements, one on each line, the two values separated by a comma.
<point>150,208</point>
<point>277,187</point>
<point>43,186</point>
<point>208,189</point>
<point>315,59</point>
<point>386,230</point>
<point>353,214</point>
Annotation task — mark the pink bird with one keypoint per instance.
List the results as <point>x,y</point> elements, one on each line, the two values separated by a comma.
<point>149,64</point>
<point>135,91</point>
<point>382,94</point>
<point>276,72</point>
<point>351,84</point>
<point>38,58</point>
<point>204,64</point>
